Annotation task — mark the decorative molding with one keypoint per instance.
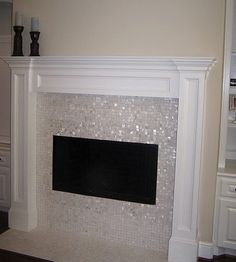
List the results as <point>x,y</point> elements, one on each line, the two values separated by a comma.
<point>151,86</point>
<point>182,78</point>
<point>205,250</point>
<point>114,62</point>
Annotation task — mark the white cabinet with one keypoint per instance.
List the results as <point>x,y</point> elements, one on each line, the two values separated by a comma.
<point>226,209</point>
<point>4,177</point>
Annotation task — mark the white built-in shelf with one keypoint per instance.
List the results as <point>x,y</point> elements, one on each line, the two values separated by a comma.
<point>232,90</point>
<point>233,56</point>
<point>230,168</point>
<point>231,124</point>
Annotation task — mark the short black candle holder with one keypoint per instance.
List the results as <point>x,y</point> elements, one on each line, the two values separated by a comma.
<point>34,46</point>
<point>17,47</point>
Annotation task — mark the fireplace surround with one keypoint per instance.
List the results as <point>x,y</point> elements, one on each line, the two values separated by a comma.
<point>116,118</point>
<point>179,78</point>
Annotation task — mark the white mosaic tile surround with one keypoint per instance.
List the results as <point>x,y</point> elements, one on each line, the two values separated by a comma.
<point>136,119</point>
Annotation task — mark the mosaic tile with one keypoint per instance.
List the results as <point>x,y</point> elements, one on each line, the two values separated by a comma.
<point>131,119</point>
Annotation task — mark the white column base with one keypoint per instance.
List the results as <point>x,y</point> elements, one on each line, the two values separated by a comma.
<point>181,250</point>
<point>22,219</point>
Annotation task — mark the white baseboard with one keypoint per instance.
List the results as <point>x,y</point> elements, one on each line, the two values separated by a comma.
<point>218,251</point>
<point>205,250</point>
<point>208,250</point>
<point>230,252</point>
<point>224,251</point>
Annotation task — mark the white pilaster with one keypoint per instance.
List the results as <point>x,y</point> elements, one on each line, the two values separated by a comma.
<point>183,246</point>
<point>23,211</point>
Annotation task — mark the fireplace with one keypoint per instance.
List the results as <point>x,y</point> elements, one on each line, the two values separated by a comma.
<point>111,169</point>
<point>170,81</point>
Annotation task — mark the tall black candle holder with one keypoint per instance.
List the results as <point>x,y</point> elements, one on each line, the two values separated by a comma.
<point>34,46</point>
<point>17,47</point>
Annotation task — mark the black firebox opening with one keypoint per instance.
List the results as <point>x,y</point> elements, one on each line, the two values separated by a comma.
<point>117,170</point>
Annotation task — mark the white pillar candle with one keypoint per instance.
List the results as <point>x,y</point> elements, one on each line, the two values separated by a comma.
<point>34,24</point>
<point>18,19</point>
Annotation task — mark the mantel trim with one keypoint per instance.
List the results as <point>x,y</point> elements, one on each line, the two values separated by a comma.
<point>110,75</point>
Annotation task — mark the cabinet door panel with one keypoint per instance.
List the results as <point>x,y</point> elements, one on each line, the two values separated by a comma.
<point>232,224</point>
<point>228,187</point>
<point>4,187</point>
<point>227,224</point>
<point>4,158</point>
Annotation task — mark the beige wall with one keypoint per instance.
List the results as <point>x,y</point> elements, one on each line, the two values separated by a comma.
<point>142,27</point>
<point>4,98</point>
<point>5,49</point>
<point>5,18</point>
<point>234,30</point>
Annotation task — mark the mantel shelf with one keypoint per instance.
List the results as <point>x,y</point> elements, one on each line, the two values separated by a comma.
<point>135,62</point>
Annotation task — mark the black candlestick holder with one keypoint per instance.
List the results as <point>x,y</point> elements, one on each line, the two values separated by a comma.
<point>34,46</point>
<point>17,48</point>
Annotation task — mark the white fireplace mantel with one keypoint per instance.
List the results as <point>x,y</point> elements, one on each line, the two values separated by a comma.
<point>172,77</point>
